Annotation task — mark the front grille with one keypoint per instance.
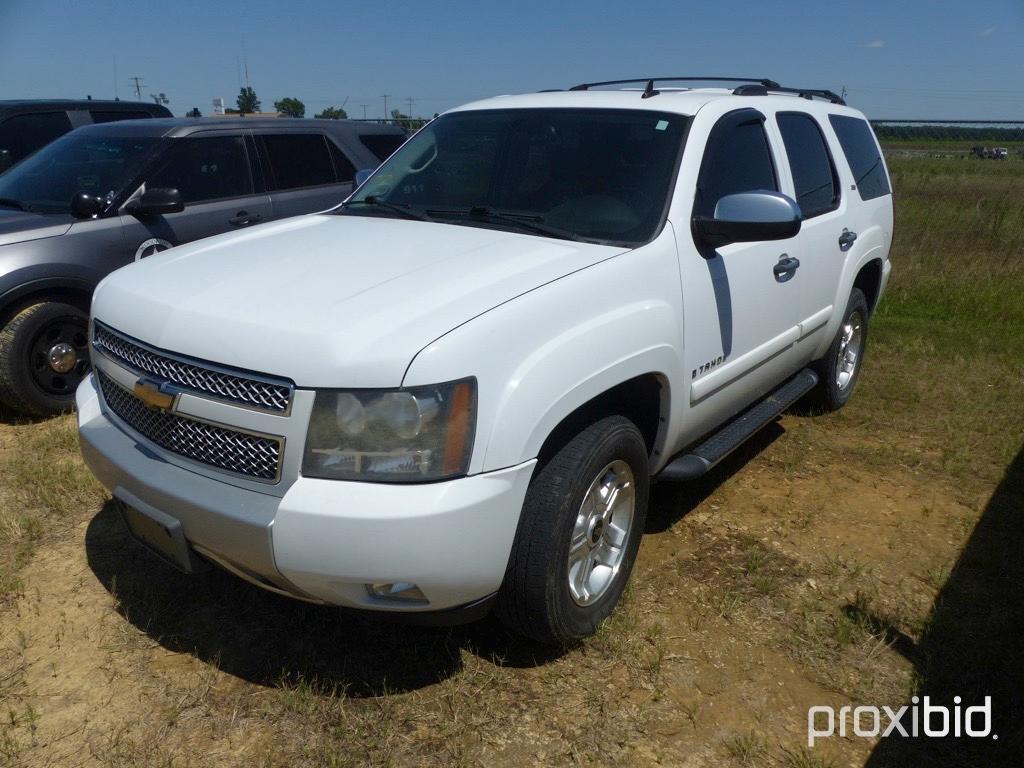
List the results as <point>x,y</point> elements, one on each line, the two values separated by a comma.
<point>250,455</point>
<point>254,393</point>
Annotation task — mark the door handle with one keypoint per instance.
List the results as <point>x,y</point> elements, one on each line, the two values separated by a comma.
<point>846,240</point>
<point>242,218</point>
<point>786,268</point>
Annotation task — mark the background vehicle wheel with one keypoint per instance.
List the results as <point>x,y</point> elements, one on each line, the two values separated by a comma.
<point>839,369</point>
<point>44,355</point>
<point>578,535</point>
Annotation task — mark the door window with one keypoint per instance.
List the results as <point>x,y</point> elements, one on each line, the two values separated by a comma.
<point>343,168</point>
<point>814,176</point>
<point>205,169</point>
<point>299,160</point>
<point>22,135</point>
<point>738,159</point>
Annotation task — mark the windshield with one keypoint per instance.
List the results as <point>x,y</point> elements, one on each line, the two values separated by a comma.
<point>46,181</point>
<point>592,174</point>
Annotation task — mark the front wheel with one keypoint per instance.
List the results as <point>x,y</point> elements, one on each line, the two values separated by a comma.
<point>44,355</point>
<point>840,368</point>
<point>578,535</point>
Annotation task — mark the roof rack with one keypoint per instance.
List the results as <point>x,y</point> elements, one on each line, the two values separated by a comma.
<point>752,86</point>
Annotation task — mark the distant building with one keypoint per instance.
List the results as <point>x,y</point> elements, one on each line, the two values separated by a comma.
<point>218,107</point>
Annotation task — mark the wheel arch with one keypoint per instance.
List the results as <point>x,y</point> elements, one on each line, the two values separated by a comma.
<point>869,280</point>
<point>78,293</point>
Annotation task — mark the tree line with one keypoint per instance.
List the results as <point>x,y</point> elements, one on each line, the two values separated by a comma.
<point>948,133</point>
<point>248,103</point>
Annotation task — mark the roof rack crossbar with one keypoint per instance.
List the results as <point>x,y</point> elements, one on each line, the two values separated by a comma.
<point>760,80</point>
<point>751,86</point>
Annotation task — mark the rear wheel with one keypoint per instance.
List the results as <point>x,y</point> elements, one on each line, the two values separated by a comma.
<point>839,369</point>
<point>578,535</point>
<point>44,355</point>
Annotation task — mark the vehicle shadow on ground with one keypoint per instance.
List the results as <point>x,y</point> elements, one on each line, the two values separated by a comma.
<point>973,645</point>
<point>276,641</point>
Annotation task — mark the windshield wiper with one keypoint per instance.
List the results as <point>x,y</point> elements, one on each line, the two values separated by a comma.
<point>403,208</point>
<point>10,202</point>
<point>526,221</point>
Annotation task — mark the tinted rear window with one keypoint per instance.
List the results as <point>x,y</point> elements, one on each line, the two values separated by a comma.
<point>814,178</point>
<point>299,160</point>
<point>110,115</point>
<point>22,135</point>
<point>863,155</point>
<point>382,144</point>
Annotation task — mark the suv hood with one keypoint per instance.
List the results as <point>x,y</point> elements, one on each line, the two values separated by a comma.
<point>329,300</point>
<point>19,226</point>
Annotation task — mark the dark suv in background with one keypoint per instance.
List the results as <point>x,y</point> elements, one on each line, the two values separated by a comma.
<point>106,195</point>
<point>28,125</point>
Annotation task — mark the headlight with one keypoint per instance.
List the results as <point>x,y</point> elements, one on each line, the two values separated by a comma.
<point>392,435</point>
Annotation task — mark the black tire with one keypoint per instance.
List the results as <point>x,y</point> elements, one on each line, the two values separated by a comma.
<point>829,395</point>
<point>535,598</point>
<point>28,384</point>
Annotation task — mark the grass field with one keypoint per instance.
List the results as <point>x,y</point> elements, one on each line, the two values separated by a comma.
<point>860,557</point>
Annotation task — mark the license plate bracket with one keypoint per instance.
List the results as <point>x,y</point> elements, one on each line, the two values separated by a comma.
<point>160,533</point>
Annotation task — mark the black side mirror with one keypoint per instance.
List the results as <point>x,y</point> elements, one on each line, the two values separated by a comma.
<point>362,175</point>
<point>86,206</point>
<point>156,202</point>
<point>5,160</point>
<point>749,217</point>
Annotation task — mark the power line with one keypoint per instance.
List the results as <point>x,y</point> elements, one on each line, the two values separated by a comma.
<point>364,106</point>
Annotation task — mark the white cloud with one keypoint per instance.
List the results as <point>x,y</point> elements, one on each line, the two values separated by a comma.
<point>874,44</point>
<point>987,32</point>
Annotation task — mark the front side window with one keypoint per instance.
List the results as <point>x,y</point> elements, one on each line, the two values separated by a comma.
<point>22,135</point>
<point>203,169</point>
<point>814,177</point>
<point>299,160</point>
<point>594,174</point>
<point>738,159</point>
<point>77,162</point>
<point>863,155</point>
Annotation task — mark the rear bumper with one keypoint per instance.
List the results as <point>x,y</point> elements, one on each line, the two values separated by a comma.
<point>324,540</point>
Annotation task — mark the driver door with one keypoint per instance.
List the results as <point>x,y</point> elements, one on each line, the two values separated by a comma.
<point>215,175</point>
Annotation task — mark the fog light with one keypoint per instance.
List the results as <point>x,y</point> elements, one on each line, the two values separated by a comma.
<point>400,591</point>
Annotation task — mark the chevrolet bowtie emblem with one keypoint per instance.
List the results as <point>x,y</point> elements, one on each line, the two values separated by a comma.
<point>149,393</point>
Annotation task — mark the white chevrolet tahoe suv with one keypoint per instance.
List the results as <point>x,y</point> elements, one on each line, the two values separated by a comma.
<point>451,393</point>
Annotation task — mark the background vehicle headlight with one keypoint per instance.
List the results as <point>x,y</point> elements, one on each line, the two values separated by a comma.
<point>392,435</point>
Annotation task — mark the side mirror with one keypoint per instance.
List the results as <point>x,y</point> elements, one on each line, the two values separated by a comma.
<point>156,202</point>
<point>5,160</point>
<point>86,206</point>
<point>363,175</point>
<point>749,217</point>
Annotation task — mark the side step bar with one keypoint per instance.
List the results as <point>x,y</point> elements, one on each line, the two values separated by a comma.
<point>697,461</point>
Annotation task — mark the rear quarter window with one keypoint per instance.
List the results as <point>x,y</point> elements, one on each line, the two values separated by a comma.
<point>863,155</point>
<point>382,144</point>
<point>112,116</point>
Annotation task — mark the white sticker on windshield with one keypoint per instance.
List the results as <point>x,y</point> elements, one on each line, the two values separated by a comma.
<point>661,126</point>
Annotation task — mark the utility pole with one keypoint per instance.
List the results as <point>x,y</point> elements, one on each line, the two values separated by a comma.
<point>364,106</point>
<point>409,99</point>
<point>385,97</point>
<point>138,87</point>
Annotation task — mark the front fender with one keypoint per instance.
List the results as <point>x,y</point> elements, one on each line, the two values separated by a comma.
<point>543,355</point>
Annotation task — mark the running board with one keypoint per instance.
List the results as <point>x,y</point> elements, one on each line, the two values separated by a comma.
<point>703,457</point>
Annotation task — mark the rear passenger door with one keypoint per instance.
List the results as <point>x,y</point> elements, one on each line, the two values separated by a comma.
<point>306,172</point>
<point>817,190</point>
<point>216,179</point>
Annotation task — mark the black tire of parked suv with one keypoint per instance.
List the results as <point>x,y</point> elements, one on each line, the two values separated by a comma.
<point>535,598</point>
<point>829,395</point>
<point>29,383</point>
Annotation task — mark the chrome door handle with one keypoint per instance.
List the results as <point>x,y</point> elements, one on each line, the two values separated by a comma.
<point>846,240</point>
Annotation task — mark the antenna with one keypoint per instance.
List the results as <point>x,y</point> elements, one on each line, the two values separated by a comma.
<point>139,85</point>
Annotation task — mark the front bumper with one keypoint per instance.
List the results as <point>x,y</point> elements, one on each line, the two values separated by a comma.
<point>323,540</point>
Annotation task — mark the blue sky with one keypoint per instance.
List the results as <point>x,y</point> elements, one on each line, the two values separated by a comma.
<point>898,59</point>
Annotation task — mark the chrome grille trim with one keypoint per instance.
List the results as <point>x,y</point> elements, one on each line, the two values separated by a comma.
<point>239,388</point>
<point>242,453</point>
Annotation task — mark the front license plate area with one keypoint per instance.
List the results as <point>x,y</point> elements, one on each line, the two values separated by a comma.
<point>161,534</point>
